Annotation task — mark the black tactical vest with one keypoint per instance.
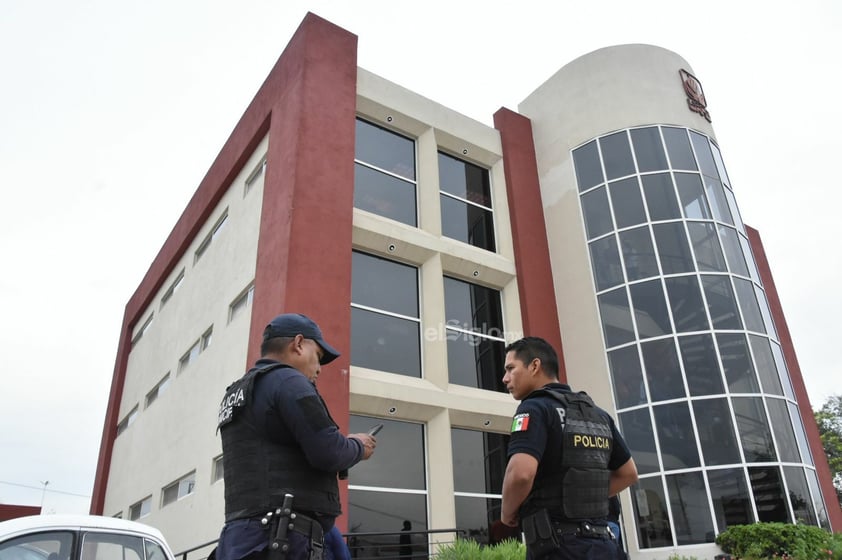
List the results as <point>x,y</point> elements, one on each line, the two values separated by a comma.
<point>579,490</point>
<point>259,472</point>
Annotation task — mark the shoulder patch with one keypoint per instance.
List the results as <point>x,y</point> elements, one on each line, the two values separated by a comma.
<point>520,423</point>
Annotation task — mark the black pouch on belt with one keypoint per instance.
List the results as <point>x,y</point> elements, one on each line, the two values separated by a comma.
<point>539,533</point>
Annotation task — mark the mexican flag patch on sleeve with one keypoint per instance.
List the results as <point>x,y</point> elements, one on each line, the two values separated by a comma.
<point>520,422</point>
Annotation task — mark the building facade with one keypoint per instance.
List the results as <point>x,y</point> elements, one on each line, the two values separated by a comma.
<point>422,241</point>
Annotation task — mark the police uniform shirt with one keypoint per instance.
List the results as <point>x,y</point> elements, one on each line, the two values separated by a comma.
<point>536,430</point>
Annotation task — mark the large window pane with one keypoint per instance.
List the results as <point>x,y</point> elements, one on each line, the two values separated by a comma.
<point>752,266</point>
<point>692,196</point>
<point>770,382</point>
<point>688,309</point>
<point>782,426</point>
<point>384,195</point>
<point>675,435</point>
<point>660,197</point>
<point>385,343</point>
<point>597,214</point>
<point>588,166</point>
<point>754,430</point>
<point>700,365</point>
<point>690,510</point>
<point>717,200</point>
<point>782,370</point>
<point>638,253</point>
<point>384,284</point>
<point>606,263</point>
<point>385,149</point>
<point>627,202</point>
<point>371,512</point>
<point>475,516</point>
<point>473,307</point>
<point>706,246</point>
<point>617,324</point>
<point>650,309</point>
<point>731,500</point>
<point>764,311</point>
<point>736,361</point>
<point>673,249</point>
<point>722,304</point>
<point>662,370</point>
<point>716,432</point>
<point>799,496</point>
<point>467,223</point>
<point>627,377</point>
<point>678,148</point>
<point>479,461</point>
<point>650,507</point>
<point>704,155</point>
<point>818,502</point>
<point>616,154</point>
<point>800,435</point>
<point>720,165</point>
<point>648,149</point>
<point>769,495</point>
<point>475,361</point>
<point>636,427</point>
<point>748,304</point>
<point>733,250</point>
<point>400,455</point>
<point>465,180</point>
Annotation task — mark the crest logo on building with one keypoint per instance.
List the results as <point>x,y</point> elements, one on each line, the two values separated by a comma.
<point>695,96</point>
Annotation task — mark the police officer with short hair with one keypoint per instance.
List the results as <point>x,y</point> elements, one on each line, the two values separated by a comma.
<point>278,438</point>
<point>566,457</point>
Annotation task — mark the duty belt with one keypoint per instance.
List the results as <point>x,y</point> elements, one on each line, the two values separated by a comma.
<point>583,529</point>
<point>283,520</point>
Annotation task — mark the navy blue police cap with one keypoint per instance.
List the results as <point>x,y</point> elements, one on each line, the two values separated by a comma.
<point>291,324</point>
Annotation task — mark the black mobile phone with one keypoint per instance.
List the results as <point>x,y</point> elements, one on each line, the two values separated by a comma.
<point>375,429</point>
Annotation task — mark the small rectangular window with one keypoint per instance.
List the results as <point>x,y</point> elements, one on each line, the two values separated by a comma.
<point>127,421</point>
<point>241,303</point>
<point>156,391</point>
<point>118,515</point>
<point>173,288</point>
<point>466,202</point>
<point>206,338</point>
<point>142,330</point>
<point>141,508</point>
<point>256,175</point>
<point>178,489</point>
<point>215,230</point>
<point>188,356</point>
<point>218,470</point>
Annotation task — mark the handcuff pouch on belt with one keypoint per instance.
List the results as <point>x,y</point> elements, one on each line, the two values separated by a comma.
<point>539,533</point>
<point>283,520</point>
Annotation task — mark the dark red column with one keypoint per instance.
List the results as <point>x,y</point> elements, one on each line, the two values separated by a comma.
<point>529,232</point>
<point>834,512</point>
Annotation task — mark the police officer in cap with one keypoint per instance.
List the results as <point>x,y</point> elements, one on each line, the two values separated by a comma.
<point>566,457</point>
<point>278,438</point>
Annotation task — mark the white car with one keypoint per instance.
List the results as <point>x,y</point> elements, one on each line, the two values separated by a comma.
<point>80,537</point>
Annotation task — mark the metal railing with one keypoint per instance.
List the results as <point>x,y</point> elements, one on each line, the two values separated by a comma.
<point>394,545</point>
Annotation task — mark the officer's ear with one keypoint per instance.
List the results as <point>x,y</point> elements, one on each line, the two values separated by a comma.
<point>535,365</point>
<point>298,344</point>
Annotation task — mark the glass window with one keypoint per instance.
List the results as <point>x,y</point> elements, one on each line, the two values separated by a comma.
<point>650,309</point>
<point>466,202</point>
<point>385,343</point>
<point>157,390</point>
<point>736,361</point>
<point>473,307</point>
<point>636,427</point>
<point>700,365</point>
<point>127,421</point>
<point>673,249</point>
<point>754,430</point>
<point>38,546</point>
<point>755,275</point>
<point>384,284</point>
<point>650,507</point>
<point>716,432</point>
<point>678,147</point>
<point>617,324</point>
<point>731,500</point>
<point>720,166</point>
<point>764,310</point>
<point>479,461</point>
<point>218,470</point>
<point>799,496</point>
<point>597,214</point>
<point>688,309</point>
<point>770,381</point>
<point>627,202</point>
<point>676,436</point>
<point>692,196</point>
<point>142,330</point>
<point>401,455</point>
<point>256,176</point>
<point>475,361</point>
<point>384,195</point>
<point>733,251</point>
<point>782,370</point>
<point>111,546</point>
<point>818,502</point>
<point>588,166</point>
<point>690,509</point>
<point>648,149</point>
<point>140,509</point>
<point>606,263</point>
<point>240,303</point>
<point>704,155</point>
<point>385,150</point>
<point>627,377</point>
<point>475,516</point>
<point>176,284</point>
<point>663,373</point>
<point>735,212</point>
<point>188,357</point>
<point>206,339</point>
<point>616,154</point>
<point>769,494</point>
<point>706,246</point>
<point>211,237</point>
<point>718,202</point>
<point>638,253</point>
<point>660,197</point>
<point>178,489</point>
<point>722,304</point>
<point>748,305</point>
<point>371,511</point>
<point>782,426</point>
<point>800,434</point>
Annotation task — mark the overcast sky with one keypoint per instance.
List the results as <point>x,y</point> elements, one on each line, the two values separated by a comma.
<point>111,112</point>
